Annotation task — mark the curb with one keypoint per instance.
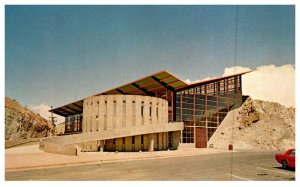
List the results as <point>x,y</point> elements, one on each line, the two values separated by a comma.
<point>100,162</point>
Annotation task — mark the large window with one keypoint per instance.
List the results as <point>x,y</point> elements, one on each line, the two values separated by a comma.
<point>73,123</point>
<point>206,105</point>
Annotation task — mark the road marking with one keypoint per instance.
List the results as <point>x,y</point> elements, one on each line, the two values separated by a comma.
<point>276,171</point>
<point>239,177</point>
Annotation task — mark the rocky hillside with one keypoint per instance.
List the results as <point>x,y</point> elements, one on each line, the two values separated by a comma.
<point>22,123</point>
<point>258,125</point>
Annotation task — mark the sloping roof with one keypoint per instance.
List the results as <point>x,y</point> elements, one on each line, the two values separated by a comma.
<point>148,85</point>
<point>69,109</point>
<point>145,86</point>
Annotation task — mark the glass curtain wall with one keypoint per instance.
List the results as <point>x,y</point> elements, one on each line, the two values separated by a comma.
<point>73,123</point>
<point>206,106</point>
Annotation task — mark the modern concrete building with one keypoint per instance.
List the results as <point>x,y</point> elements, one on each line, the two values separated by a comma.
<point>153,113</point>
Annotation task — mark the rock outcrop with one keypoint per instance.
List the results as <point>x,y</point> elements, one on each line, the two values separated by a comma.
<point>259,125</point>
<point>22,123</point>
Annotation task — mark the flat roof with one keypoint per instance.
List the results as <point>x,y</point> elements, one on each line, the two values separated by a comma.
<point>147,85</point>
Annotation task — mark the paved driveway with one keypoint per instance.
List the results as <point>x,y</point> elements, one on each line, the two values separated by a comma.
<point>223,166</point>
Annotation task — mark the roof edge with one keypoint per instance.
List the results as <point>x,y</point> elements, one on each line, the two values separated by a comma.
<point>212,80</point>
<point>131,82</point>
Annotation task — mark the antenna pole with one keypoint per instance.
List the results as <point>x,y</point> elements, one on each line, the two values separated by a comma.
<point>52,118</point>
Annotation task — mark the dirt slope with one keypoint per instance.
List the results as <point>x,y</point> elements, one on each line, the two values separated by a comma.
<point>258,125</point>
<point>22,123</point>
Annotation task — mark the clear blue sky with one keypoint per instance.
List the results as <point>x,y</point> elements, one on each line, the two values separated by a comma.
<point>59,54</point>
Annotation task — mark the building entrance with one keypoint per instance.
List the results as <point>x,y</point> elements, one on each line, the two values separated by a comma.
<point>201,140</point>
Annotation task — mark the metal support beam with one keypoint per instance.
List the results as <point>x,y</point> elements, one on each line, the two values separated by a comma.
<point>59,112</point>
<point>120,91</point>
<point>145,91</point>
<point>72,109</point>
<point>163,83</point>
<point>66,110</point>
<point>81,107</point>
<point>174,106</point>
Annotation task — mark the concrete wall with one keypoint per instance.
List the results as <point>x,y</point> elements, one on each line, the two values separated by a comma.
<point>12,143</point>
<point>60,149</point>
<point>115,120</point>
<point>186,145</point>
<point>91,141</point>
<point>106,112</point>
<point>115,133</point>
<point>176,139</point>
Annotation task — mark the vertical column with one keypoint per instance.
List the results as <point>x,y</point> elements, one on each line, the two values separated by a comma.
<point>119,144</point>
<point>138,110</point>
<point>128,143</point>
<point>133,112</point>
<point>181,106</point>
<point>119,111</point>
<point>154,108</point>
<point>88,116</point>
<point>240,82</point>
<point>105,113</point>
<point>166,110</point>
<point>235,84</point>
<point>101,145</point>
<point>145,142</point>
<point>194,113</point>
<point>160,141</point>
<point>175,139</point>
<point>227,87</point>
<point>127,122</point>
<point>128,114</point>
<point>137,143</point>
<point>146,110</point>
<point>150,110</point>
<point>110,108</point>
<point>101,113</point>
<point>165,140</point>
<point>173,106</point>
<point>156,141</point>
<point>94,114</point>
<point>160,112</point>
<point>84,114</point>
<point>151,142</point>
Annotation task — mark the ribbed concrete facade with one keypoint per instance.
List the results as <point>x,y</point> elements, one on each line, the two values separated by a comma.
<point>122,123</point>
<point>109,112</point>
<point>106,112</point>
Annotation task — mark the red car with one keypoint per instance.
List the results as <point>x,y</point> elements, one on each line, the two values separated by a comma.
<point>287,160</point>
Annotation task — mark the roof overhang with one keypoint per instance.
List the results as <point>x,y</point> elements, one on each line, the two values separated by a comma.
<point>69,109</point>
<point>147,86</point>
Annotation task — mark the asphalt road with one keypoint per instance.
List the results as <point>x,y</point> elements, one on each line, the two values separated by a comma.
<point>236,166</point>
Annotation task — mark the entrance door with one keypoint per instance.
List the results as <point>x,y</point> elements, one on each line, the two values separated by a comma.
<point>201,141</point>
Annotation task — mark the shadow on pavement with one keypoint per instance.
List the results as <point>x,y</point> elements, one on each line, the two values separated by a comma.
<point>288,169</point>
